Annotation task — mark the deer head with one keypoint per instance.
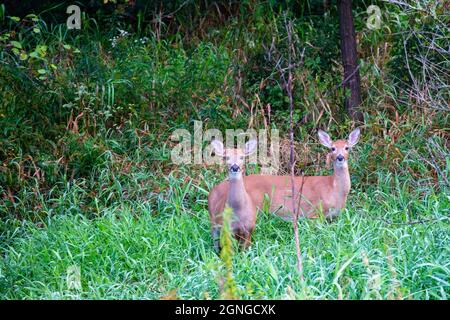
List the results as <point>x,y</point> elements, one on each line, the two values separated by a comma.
<point>339,149</point>
<point>234,158</point>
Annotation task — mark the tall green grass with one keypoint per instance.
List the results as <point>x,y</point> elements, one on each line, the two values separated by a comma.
<point>373,251</point>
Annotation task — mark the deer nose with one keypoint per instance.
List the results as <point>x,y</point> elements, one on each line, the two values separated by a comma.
<point>340,157</point>
<point>234,168</point>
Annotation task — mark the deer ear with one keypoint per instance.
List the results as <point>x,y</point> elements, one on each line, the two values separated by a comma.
<point>354,137</point>
<point>218,147</point>
<point>325,139</point>
<point>250,147</point>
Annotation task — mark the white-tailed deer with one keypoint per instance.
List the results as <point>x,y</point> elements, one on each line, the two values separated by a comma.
<point>320,194</point>
<point>234,194</point>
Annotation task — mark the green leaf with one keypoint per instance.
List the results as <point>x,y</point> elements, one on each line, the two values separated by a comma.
<point>36,30</point>
<point>15,51</point>
<point>33,17</point>
<point>23,56</point>
<point>66,46</point>
<point>15,19</point>
<point>5,36</point>
<point>16,44</point>
<point>42,71</point>
<point>41,50</point>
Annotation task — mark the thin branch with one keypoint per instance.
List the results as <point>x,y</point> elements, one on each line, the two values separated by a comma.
<point>289,87</point>
<point>282,66</point>
<point>348,78</point>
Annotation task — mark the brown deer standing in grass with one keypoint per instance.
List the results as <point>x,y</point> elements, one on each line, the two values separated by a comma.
<point>233,193</point>
<point>319,194</point>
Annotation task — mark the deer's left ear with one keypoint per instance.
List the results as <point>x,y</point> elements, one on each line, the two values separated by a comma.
<point>250,147</point>
<point>353,137</point>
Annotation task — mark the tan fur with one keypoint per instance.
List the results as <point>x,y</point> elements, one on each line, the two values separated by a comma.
<point>232,193</point>
<point>319,193</point>
<point>325,195</point>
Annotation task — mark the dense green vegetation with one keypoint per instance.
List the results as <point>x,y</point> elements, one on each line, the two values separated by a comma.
<point>86,177</point>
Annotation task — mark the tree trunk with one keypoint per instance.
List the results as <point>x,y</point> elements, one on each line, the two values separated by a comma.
<point>352,79</point>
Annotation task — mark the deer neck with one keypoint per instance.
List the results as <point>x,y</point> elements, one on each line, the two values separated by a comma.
<point>341,183</point>
<point>237,195</point>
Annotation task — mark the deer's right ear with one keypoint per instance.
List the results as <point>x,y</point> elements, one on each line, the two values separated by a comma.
<point>354,137</point>
<point>218,147</point>
<point>325,139</point>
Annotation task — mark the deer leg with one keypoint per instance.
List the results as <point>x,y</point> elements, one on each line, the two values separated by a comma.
<point>216,238</point>
<point>244,238</point>
<point>247,241</point>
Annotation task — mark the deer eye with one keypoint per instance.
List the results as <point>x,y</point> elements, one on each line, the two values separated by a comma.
<point>346,148</point>
<point>333,149</point>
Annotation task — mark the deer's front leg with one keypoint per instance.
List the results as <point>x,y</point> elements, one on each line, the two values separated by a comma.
<point>216,238</point>
<point>244,237</point>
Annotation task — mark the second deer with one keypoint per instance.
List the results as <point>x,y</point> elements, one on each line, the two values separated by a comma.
<point>325,195</point>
